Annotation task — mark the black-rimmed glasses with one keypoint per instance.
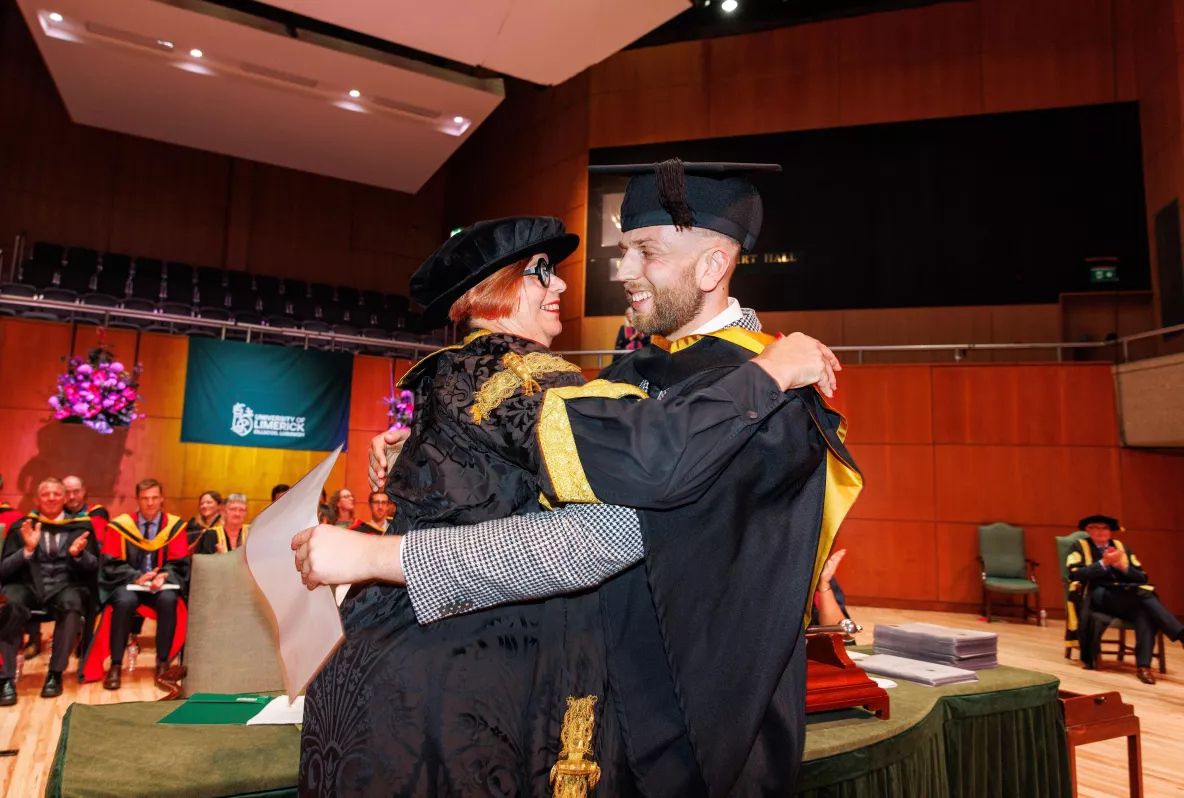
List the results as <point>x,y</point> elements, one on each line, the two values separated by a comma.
<point>542,269</point>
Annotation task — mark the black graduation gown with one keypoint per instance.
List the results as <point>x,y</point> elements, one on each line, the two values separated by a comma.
<point>706,644</point>
<point>474,705</point>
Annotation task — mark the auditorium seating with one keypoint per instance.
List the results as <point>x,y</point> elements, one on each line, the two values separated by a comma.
<point>115,280</point>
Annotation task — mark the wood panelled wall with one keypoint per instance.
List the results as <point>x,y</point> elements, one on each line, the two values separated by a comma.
<point>944,449</point>
<point>35,446</point>
<point>951,59</point>
<point>82,186</point>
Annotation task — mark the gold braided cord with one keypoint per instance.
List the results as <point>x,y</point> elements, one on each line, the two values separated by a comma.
<point>518,372</point>
<point>576,772</point>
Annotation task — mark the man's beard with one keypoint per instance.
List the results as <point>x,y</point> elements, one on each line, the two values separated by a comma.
<point>674,307</point>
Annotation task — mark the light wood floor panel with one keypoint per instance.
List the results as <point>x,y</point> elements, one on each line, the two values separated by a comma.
<point>34,723</point>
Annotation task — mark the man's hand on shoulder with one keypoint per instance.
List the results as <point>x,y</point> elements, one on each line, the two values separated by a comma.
<point>384,450</point>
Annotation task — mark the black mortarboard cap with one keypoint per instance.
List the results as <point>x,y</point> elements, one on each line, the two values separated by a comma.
<point>1099,519</point>
<point>713,196</point>
<point>478,251</point>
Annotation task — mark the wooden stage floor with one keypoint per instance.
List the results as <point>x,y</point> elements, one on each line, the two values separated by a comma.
<point>33,724</point>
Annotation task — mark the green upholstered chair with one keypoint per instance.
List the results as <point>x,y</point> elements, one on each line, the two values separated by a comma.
<point>1119,647</point>
<point>1005,567</point>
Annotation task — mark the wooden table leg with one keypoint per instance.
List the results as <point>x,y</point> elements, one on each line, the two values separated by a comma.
<point>1073,768</point>
<point>1134,763</point>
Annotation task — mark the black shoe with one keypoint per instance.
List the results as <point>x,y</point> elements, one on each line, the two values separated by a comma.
<point>114,678</point>
<point>7,692</point>
<point>53,685</point>
<point>1146,676</point>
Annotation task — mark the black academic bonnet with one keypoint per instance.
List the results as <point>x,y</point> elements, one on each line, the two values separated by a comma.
<point>478,251</point>
<point>713,196</point>
<point>1099,519</point>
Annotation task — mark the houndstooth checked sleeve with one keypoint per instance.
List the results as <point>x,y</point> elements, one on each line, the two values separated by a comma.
<point>459,569</point>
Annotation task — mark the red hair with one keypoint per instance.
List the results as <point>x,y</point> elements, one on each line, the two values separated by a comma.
<point>495,297</point>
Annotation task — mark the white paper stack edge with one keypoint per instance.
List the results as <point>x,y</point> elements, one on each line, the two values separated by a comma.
<point>962,648</point>
<point>913,670</point>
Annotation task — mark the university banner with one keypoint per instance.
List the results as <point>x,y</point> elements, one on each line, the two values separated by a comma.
<point>280,397</point>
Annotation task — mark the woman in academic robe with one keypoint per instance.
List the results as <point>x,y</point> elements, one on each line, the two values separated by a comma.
<point>230,533</point>
<point>209,515</point>
<point>475,705</point>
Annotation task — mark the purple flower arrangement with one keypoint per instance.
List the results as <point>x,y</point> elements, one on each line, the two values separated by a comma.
<point>97,391</point>
<point>401,407</point>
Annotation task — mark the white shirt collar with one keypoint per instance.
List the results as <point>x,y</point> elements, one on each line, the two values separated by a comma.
<point>732,314</point>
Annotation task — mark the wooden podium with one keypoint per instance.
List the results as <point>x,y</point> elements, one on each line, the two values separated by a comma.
<point>833,681</point>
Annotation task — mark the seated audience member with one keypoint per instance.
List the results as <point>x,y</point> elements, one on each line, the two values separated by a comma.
<point>829,606</point>
<point>380,510</point>
<point>209,515</point>
<point>231,533</point>
<point>148,550</point>
<point>50,561</point>
<point>629,337</point>
<point>341,508</point>
<point>8,514</point>
<point>281,489</point>
<point>77,506</point>
<point>1106,577</point>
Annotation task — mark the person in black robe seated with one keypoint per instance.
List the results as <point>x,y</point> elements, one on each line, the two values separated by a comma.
<point>1106,577</point>
<point>477,704</point>
<point>209,515</point>
<point>230,533</point>
<point>50,562</point>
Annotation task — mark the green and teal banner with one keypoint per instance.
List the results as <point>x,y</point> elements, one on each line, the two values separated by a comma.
<point>278,397</point>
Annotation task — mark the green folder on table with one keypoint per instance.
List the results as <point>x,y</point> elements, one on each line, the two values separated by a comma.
<point>217,709</point>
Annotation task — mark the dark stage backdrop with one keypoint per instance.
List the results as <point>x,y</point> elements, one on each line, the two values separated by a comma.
<point>994,209</point>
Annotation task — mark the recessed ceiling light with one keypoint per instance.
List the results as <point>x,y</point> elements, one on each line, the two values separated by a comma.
<point>728,6</point>
<point>163,43</point>
<point>196,53</point>
<point>458,120</point>
<point>55,17</point>
<point>355,93</point>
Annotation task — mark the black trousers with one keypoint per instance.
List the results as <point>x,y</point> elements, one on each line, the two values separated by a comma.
<point>1142,610</point>
<point>124,604</point>
<point>66,606</point>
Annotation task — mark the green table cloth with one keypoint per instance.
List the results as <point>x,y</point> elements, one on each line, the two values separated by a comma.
<point>1000,737</point>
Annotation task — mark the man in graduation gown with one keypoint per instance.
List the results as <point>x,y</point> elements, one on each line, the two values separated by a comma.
<point>1107,578</point>
<point>705,642</point>
<point>50,561</point>
<point>148,550</point>
<point>380,511</point>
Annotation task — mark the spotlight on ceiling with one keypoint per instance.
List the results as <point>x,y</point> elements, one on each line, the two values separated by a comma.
<point>196,53</point>
<point>55,17</point>
<point>460,120</point>
<point>355,93</point>
<point>728,6</point>
<point>163,43</point>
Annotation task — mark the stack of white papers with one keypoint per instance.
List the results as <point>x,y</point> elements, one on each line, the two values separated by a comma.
<point>969,649</point>
<point>914,670</point>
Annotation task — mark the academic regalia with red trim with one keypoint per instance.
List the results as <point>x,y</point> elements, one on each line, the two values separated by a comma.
<point>370,527</point>
<point>124,545</point>
<point>706,640</point>
<point>8,516</point>
<point>99,518</point>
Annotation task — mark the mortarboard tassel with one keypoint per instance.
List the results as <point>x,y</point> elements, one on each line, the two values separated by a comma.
<point>672,192</point>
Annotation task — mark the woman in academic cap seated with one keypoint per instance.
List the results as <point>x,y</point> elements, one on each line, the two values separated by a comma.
<point>209,515</point>
<point>475,704</point>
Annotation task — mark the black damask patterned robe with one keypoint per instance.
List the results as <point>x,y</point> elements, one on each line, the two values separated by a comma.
<point>473,705</point>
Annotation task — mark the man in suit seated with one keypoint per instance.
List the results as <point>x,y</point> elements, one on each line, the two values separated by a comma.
<point>1106,577</point>
<point>50,561</point>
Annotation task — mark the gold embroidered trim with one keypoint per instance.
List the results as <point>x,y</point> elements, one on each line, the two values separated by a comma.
<point>574,775</point>
<point>517,372</point>
<point>557,444</point>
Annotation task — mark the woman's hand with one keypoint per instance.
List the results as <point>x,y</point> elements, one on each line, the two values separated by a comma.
<point>832,565</point>
<point>384,450</point>
<point>330,555</point>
